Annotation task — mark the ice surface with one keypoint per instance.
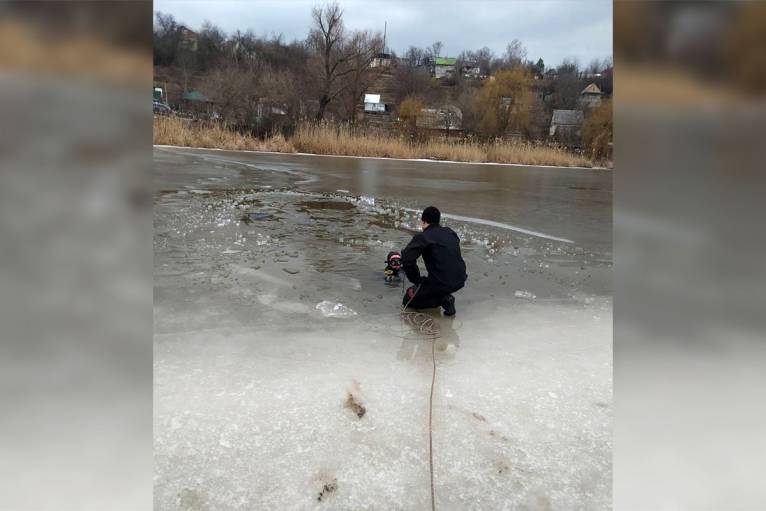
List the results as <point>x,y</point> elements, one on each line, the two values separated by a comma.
<point>334,310</point>
<point>253,383</point>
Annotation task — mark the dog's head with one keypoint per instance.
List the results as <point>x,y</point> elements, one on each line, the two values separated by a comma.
<point>394,260</point>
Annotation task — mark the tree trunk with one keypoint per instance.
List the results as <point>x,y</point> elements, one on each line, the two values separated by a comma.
<point>355,97</point>
<point>323,102</point>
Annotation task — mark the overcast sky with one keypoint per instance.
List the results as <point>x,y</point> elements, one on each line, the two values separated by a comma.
<point>553,29</point>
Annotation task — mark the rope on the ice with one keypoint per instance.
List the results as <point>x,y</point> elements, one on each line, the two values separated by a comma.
<point>430,329</point>
<point>430,428</point>
<point>424,323</point>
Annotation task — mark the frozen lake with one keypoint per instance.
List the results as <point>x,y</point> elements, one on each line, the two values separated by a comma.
<point>252,381</point>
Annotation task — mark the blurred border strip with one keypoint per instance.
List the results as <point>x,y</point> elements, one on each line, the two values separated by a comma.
<point>106,41</point>
<point>690,278</point>
<point>76,255</point>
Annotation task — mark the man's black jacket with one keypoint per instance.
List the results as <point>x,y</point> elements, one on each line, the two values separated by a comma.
<point>440,248</point>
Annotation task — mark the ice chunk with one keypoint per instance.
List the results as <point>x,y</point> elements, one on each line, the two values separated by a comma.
<point>334,310</point>
<point>524,294</point>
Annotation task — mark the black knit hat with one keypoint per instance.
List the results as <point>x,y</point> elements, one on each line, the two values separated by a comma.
<point>431,215</point>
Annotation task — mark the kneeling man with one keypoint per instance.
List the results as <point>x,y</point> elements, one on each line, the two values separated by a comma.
<point>440,248</point>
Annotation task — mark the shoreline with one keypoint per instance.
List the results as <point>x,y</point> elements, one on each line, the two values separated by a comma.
<point>385,158</point>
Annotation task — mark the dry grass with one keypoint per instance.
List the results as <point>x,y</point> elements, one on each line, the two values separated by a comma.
<point>342,140</point>
<point>181,132</point>
<point>327,139</point>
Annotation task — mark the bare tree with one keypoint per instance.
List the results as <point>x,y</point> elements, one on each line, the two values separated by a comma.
<point>415,56</point>
<point>210,46</point>
<point>567,85</point>
<point>334,57</point>
<point>362,48</point>
<point>515,54</point>
<point>411,80</point>
<point>436,48</point>
<point>232,89</point>
<point>186,62</point>
<point>595,67</point>
<point>483,58</point>
<point>166,38</point>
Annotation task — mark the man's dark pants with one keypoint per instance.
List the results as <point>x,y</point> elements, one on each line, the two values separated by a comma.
<point>427,296</point>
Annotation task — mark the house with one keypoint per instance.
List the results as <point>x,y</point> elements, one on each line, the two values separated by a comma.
<point>187,38</point>
<point>444,120</point>
<point>270,116</point>
<point>382,60</point>
<point>442,67</point>
<point>196,103</point>
<point>471,70</point>
<point>590,96</point>
<point>373,104</point>
<point>566,126</point>
<point>269,108</point>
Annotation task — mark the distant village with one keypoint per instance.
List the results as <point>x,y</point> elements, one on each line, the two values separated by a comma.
<point>260,85</point>
<point>380,104</point>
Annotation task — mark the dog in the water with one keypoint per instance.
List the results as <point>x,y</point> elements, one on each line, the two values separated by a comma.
<point>393,266</point>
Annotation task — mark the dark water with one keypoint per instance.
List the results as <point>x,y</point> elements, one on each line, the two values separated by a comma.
<point>571,203</point>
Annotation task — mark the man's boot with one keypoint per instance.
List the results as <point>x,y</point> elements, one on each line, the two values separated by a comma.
<point>449,305</point>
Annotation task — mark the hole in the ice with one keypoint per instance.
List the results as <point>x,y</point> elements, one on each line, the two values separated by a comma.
<point>334,205</point>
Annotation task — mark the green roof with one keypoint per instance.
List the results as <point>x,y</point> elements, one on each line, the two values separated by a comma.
<point>194,95</point>
<point>445,61</point>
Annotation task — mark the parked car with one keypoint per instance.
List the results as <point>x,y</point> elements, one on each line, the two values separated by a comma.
<point>161,108</point>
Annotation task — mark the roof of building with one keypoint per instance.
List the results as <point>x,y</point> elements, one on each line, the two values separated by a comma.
<point>567,117</point>
<point>591,89</point>
<point>194,95</point>
<point>445,61</point>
